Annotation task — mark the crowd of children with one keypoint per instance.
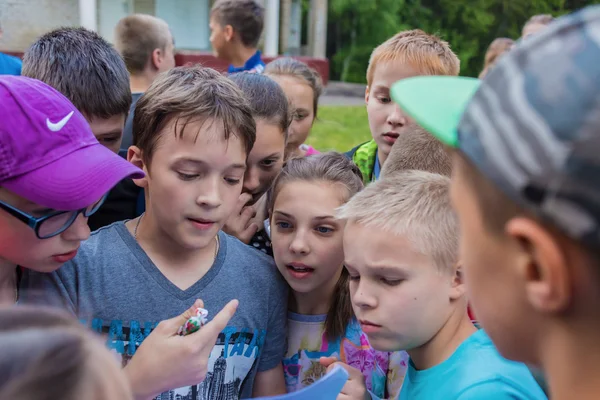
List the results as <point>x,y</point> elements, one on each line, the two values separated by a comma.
<point>471,194</point>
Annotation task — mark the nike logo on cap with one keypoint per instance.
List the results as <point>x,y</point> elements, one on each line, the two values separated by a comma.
<point>55,127</point>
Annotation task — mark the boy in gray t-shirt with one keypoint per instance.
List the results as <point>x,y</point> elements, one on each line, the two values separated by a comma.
<point>193,131</point>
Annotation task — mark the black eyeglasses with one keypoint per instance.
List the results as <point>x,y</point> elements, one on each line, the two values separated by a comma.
<point>54,223</point>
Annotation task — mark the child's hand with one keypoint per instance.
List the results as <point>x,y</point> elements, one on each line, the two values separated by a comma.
<point>239,223</point>
<point>355,388</point>
<point>186,356</point>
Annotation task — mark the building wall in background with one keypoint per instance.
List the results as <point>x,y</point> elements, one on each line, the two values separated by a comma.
<point>188,20</point>
<point>24,20</point>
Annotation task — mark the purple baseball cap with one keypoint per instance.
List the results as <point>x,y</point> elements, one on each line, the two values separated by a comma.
<point>48,153</point>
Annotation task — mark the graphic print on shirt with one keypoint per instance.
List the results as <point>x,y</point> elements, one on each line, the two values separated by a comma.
<point>303,368</point>
<point>230,362</point>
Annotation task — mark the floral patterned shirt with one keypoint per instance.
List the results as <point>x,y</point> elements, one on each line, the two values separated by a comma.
<point>307,342</point>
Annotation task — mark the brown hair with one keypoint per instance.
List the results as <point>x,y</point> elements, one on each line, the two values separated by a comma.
<point>287,66</point>
<point>429,54</point>
<point>334,168</point>
<point>417,150</point>
<point>185,93</point>
<point>543,19</point>
<point>47,355</point>
<point>82,66</point>
<point>266,99</point>
<point>498,208</point>
<point>496,49</point>
<point>137,36</point>
<point>246,17</point>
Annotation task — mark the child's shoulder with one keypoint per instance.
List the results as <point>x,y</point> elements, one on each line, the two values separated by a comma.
<point>257,268</point>
<point>485,370</point>
<point>245,256</point>
<point>108,245</point>
<point>106,234</point>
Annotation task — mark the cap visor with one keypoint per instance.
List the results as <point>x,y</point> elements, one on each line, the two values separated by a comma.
<point>436,102</point>
<point>75,181</point>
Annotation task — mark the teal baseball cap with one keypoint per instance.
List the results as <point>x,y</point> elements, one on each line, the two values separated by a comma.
<point>436,103</point>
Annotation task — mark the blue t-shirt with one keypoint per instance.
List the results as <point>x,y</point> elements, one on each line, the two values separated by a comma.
<point>10,65</point>
<point>376,168</point>
<point>114,287</point>
<point>475,371</point>
<point>253,64</point>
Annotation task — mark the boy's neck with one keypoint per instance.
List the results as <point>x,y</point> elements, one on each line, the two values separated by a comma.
<point>381,156</point>
<point>315,302</point>
<point>8,283</point>
<point>241,55</point>
<point>455,331</point>
<point>141,82</point>
<point>571,362</point>
<point>181,266</point>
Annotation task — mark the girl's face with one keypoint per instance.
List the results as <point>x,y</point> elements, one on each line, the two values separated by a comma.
<point>265,160</point>
<point>19,244</point>
<point>306,236</point>
<point>301,97</point>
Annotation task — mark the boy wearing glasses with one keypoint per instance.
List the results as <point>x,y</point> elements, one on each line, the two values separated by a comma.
<point>53,175</point>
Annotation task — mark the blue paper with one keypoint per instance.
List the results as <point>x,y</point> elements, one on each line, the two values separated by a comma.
<point>326,388</point>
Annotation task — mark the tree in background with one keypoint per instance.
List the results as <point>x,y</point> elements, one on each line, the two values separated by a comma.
<point>358,26</point>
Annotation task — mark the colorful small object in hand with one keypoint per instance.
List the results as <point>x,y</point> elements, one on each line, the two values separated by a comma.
<point>194,323</point>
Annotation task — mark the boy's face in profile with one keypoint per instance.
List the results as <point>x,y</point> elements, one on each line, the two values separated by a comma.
<point>108,131</point>
<point>386,120</point>
<point>19,244</point>
<point>217,39</point>
<point>399,296</point>
<point>194,180</point>
<point>492,285</point>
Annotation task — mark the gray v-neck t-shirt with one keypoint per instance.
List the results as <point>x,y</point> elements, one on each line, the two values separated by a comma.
<point>114,287</point>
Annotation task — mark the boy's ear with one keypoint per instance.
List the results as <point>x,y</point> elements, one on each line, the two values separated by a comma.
<point>156,58</point>
<point>457,284</point>
<point>134,156</point>
<point>228,32</point>
<point>542,265</point>
<point>367,95</point>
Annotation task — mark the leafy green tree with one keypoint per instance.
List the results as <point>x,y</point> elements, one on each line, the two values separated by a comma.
<point>356,27</point>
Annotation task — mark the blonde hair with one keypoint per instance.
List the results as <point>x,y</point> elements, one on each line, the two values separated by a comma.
<point>418,150</point>
<point>429,54</point>
<point>414,204</point>
<point>137,36</point>
<point>496,49</point>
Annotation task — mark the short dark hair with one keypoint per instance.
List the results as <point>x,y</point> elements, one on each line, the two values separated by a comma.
<point>137,36</point>
<point>186,93</point>
<point>267,99</point>
<point>84,67</point>
<point>246,17</point>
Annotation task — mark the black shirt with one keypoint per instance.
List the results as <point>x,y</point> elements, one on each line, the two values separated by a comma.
<point>121,203</point>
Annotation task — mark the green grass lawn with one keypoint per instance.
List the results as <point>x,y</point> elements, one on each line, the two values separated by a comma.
<point>339,128</point>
